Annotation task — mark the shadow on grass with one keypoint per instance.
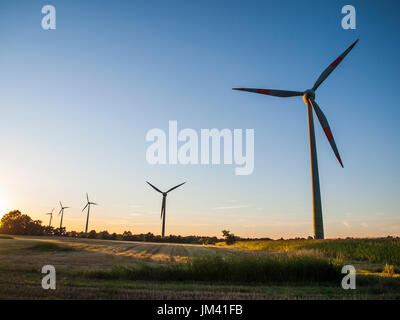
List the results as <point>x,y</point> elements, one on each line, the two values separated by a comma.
<point>50,247</point>
<point>263,269</point>
<point>6,237</point>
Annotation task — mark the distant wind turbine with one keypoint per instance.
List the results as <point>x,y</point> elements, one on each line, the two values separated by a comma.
<point>62,214</point>
<point>309,99</point>
<point>164,203</point>
<point>51,216</point>
<point>88,204</point>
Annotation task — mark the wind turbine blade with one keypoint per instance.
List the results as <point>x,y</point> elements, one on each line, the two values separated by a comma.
<point>87,197</point>
<point>52,210</point>
<point>60,211</point>
<point>271,92</point>
<point>163,207</point>
<point>154,187</point>
<point>94,203</point>
<point>176,187</point>
<point>85,207</point>
<point>60,204</point>
<point>325,126</point>
<point>332,66</point>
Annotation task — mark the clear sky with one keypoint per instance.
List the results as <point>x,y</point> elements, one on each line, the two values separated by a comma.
<point>76,104</point>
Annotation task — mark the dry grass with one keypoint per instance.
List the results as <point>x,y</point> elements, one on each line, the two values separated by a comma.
<point>152,252</point>
<point>21,260</point>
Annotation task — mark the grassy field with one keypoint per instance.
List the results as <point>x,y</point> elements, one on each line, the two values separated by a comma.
<point>385,250</point>
<point>101,269</point>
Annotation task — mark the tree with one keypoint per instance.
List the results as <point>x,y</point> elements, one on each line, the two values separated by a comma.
<point>92,234</point>
<point>229,237</point>
<point>113,236</point>
<point>60,232</point>
<point>103,235</point>
<point>15,222</point>
<point>127,235</point>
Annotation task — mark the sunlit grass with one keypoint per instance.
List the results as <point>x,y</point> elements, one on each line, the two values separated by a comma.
<point>373,250</point>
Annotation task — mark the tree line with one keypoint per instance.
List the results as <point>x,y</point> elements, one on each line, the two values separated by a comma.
<point>16,223</point>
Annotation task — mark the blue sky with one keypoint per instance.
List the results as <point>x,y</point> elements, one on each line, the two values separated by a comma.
<point>77,102</point>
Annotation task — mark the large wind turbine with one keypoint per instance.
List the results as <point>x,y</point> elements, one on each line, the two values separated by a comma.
<point>164,202</point>
<point>51,216</point>
<point>88,210</point>
<point>62,214</point>
<point>309,99</point>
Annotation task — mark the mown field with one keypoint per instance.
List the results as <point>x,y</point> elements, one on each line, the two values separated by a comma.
<point>101,269</point>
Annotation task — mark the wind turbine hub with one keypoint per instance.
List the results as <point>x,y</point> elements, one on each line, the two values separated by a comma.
<point>164,194</point>
<point>308,94</point>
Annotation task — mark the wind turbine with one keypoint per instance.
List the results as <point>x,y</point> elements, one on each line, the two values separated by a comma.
<point>309,99</point>
<point>51,216</point>
<point>62,214</point>
<point>88,210</point>
<point>164,202</point>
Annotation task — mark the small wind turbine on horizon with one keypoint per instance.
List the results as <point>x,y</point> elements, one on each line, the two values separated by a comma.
<point>164,203</point>
<point>51,216</point>
<point>88,204</point>
<point>62,214</point>
<point>309,99</point>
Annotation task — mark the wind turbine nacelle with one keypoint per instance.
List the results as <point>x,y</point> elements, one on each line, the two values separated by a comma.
<point>308,94</point>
